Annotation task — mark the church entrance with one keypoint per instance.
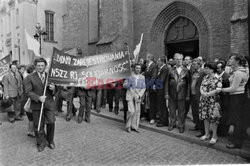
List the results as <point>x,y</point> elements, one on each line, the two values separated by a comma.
<point>182,37</point>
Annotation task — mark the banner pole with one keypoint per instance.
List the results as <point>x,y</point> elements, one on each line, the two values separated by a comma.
<point>41,111</point>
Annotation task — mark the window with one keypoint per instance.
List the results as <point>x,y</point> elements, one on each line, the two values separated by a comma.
<point>49,25</point>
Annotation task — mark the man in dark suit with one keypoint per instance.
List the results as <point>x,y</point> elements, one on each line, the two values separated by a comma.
<point>13,89</point>
<point>34,87</point>
<point>223,126</point>
<point>177,92</point>
<point>161,90</point>
<point>150,76</point>
<point>195,100</point>
<point>85,97</point>
<point>187,64</point>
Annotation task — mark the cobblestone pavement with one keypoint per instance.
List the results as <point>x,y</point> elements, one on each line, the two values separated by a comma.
<point>102,142</point>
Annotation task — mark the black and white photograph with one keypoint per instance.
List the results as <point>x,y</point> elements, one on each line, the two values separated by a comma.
<point>124,82</point>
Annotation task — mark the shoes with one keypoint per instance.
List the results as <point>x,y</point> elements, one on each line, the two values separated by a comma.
<point>40,148</point>
<point>19,118</point>
<point>80,119</point>
<point>232,146</point>
<point>193,129</point>
<point>68,117</point>
<point>87,120</point>
<point>204,137</point>
<point>199,134</point>
<point>12,120</point>
<point>128,130</point>
<point>116,112</point>
<point>31,135</point>
<point>152,121</point>
<point>135,130</point>
<point>181,130</point>
<point>170,128</point>
<point>161,125</point>
<point>52,145</point>
<point>213,141</point>
<point>98,110</point>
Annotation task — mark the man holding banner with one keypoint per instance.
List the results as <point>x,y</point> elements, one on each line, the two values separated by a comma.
<point>41,96</point>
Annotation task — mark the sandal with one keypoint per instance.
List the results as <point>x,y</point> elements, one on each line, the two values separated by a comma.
<point>204,137</point>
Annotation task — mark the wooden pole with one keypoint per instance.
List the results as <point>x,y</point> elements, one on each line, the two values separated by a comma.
<point>41,111</point>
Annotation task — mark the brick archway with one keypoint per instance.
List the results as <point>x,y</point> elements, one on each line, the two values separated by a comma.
<point>169,14</point>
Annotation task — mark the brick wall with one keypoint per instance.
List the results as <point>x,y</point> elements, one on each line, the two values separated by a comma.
<point>212,17</point>
<point>239,28</point>
<point>75,32</point>
<point>214,12</point>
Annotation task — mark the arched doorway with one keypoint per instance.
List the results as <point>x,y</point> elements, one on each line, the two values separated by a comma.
<point>167,17</point>
<point>182,37</point>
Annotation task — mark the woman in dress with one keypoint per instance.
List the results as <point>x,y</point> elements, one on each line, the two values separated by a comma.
<point>237,100</point>
<point>209,106</point>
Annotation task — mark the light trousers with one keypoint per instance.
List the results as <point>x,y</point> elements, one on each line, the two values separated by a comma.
<point>133,114</point>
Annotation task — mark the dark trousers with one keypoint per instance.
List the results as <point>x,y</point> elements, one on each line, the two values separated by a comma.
<point>24,99</point>
<point>180,106</point>
<point>125,104</point>
<point>98,99</point>
<point>48,118</point>
<point>223,126</point>
<point>237,117</point>
<point>67,95</point>
<point>187,106</point>
<point>111,94</point>
<point>195,100</point>
<point>162,108</point>
<point>104,97</point>
<point>153,102</point>
<point>16,107</point>
<point>85,103</point>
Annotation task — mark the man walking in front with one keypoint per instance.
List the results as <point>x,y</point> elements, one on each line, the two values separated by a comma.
<point>13,89</point>
<point>177,92</point>
<point>34,87</point>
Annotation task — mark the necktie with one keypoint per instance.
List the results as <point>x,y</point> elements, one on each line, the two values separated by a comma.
<point>42,78</point>
<point>15,78</point>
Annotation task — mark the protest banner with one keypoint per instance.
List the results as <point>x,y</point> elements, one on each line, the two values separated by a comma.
<point>4,66</point>
<point>88,71</point>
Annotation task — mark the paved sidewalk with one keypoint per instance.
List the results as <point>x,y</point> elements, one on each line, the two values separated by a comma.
<point>102,142</point>
<point>186,136</point>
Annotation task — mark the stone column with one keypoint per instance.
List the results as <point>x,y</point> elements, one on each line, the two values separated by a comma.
<point>239,28</point>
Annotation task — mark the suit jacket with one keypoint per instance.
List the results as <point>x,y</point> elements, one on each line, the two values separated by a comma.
<point>34,88</point>
<point>162,78</point>
<point>132,92</point>
<point>202,74</point>
<point>82,92</point>
<point>178,86</point>
<point>13,87</point>
<point>150,73</point>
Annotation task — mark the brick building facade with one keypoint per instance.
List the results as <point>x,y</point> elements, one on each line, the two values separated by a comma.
<point>208,28</point>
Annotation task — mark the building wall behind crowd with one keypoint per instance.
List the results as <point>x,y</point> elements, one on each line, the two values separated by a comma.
<point>239,28</point>
<point>18,15</point>
<point>119,21</point>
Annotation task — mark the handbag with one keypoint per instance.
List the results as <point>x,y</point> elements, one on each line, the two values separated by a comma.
<point>6,105</point>
<point>27,106</point>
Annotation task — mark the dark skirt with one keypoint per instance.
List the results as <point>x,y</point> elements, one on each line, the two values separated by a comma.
<point>237,106</point>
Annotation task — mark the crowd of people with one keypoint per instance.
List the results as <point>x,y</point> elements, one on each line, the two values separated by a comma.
<point>161,91</point>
